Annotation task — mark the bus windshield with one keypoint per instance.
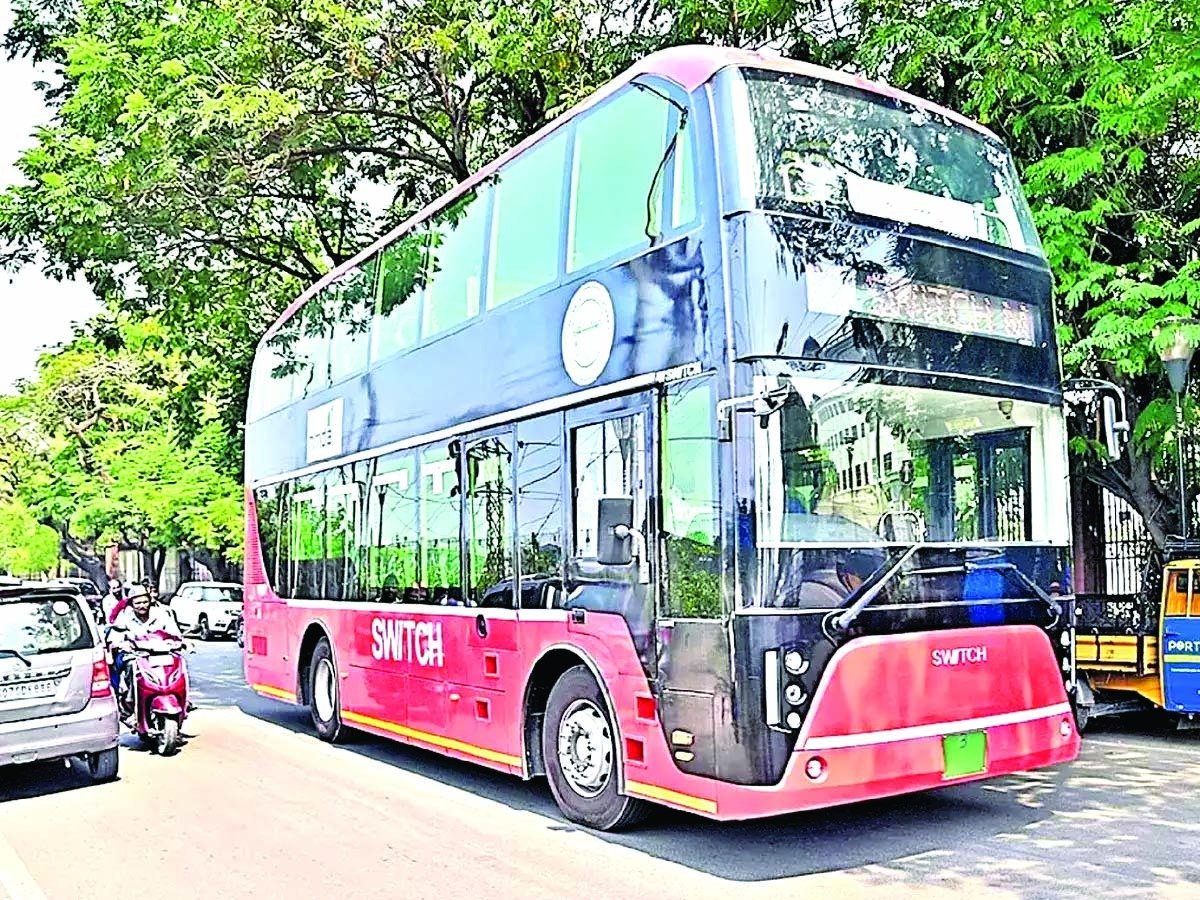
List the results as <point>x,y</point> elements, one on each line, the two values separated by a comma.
<point>857,462</point>
<point>828,147</point>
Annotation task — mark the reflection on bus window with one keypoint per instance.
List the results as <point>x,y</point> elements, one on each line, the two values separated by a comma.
<point>862,462</point>
<point>619,158</point>
<point>527,222</point>
<point>540,509</point>
<point>455,268</point>
<point>441,505</point>
<point>397,320</point>
<point>689,502</point>
<point>393,562</point>
<point>489,522</point>
<point>608,462</point>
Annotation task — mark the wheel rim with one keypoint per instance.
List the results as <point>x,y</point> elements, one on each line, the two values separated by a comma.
<point>585,748</point>
<point>323,690</point>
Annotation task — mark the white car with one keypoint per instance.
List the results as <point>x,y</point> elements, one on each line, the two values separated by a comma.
<point>208,608</point>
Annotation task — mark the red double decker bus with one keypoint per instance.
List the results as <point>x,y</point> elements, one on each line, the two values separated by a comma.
<point>705,449</point>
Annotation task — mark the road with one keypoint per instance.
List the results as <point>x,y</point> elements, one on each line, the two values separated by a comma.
<point>256,806</point>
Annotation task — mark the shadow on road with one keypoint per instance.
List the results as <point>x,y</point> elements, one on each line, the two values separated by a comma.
<point>846,837</point>
<point>43,779</point>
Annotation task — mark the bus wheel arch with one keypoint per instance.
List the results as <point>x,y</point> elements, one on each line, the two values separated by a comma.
<point>560,672</point>
<point>312,636</point>
<point>317,672</point>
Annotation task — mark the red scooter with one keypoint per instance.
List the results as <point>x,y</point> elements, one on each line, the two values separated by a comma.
<point>158,701</point>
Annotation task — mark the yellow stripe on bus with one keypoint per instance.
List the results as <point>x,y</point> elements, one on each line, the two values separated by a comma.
<point>654,792</point>
<point>1182,657</point>
<point>436,740</point>
<point>274,692</point>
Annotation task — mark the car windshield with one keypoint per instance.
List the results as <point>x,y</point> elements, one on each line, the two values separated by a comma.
<point>43,625</point>
<point>831,148</point>
<point>227,595</point>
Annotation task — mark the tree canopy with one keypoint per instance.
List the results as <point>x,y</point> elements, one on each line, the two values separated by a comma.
<point>206,162</point>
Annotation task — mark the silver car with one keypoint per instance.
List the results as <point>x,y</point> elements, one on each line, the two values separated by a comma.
<point>56,699</point>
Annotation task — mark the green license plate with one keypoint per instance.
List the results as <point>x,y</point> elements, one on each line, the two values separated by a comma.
<point>964,754</point>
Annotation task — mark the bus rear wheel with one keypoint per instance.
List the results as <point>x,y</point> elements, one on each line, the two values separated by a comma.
<point>582,760</point>
<point>324,700</point>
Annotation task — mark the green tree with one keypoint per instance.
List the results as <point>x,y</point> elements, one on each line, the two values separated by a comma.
<point>26,546</point>
<point>1099,102</point>
<point>91,448</point>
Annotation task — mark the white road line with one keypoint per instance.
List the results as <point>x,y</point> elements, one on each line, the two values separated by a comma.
<point>15,880</point>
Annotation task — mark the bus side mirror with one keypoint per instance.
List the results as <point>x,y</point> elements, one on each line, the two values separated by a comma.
<point>1115,429</point>
<point>614,539</point>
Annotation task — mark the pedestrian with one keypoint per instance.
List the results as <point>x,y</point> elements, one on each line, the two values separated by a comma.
<point>114,599</point>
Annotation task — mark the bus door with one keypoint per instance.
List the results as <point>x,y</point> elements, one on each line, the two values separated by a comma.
<point>1180,641</point>
<point>611,561</point>
<point>486,660</point>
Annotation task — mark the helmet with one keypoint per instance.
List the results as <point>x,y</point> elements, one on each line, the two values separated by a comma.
<point>136,592</point>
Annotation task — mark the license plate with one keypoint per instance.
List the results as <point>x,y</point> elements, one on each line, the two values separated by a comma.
<point>29,690</point>
<point>964,754</point>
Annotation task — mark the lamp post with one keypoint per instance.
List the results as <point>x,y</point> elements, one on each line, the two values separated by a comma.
<point>1176,358</point>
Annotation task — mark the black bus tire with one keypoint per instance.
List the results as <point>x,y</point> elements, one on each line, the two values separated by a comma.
<point>588,794</point>
<point>326,709</point>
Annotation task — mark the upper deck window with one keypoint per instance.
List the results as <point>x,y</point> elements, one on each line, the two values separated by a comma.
<point>527,222</point>
<point>622,155</point>
<point>826,147</point>
<point>454,278</point>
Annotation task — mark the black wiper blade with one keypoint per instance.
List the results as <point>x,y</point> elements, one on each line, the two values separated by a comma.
<point>6,651</point>
<point>843,621</point>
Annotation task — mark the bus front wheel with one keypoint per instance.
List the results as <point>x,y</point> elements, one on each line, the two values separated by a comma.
<point>582,760</point>
<point>323,693</point>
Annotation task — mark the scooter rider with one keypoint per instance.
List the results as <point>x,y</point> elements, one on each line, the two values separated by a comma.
<point>139,619</point>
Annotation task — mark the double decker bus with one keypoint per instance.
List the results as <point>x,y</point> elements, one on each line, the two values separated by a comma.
<point>706,449</point>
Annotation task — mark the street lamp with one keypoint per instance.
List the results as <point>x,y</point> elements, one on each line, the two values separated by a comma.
<point>1176,358</point>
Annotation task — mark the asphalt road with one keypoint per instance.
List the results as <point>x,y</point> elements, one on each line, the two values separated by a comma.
<point>255,806</point>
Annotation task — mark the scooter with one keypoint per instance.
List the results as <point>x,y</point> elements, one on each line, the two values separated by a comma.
<point>158,700</point>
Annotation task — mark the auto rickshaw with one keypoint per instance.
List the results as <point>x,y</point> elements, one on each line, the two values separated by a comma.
<point>1139,651</point>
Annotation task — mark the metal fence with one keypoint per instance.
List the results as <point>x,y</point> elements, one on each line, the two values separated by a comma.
<point>1127,546</point>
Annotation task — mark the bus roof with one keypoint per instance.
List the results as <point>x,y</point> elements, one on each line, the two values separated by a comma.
<point>689,66</point>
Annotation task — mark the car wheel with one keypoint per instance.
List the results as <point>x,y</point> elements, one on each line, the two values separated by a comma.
<point>579,746</point>
<point>103,766</point>
<point>202,631</point>
<point>324,695</point>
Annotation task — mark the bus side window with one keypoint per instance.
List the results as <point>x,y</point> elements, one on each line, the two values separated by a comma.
<point>540,510</point>
<point>441,509</point>
<point>392,531</point>
<point>350,315</point>
<point>689,501</point>
<point>489,467</point>
<point>617,177</point>
<point>453,279</point>
<point>527,229</point>
<point>607,461</point>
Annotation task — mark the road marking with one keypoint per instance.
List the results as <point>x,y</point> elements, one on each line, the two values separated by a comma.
<point>15,880</point>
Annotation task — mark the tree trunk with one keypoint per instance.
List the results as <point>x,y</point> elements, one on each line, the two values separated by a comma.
<point>83,555</point>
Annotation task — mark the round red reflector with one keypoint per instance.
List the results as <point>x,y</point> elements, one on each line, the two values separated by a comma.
<point>815,768</point>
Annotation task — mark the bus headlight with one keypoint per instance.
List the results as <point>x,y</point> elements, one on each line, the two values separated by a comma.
<point>794,694</point>
<point>795,663</point>
<point>815,768</point>
<point>1065,639</point>
<point>794,720</point>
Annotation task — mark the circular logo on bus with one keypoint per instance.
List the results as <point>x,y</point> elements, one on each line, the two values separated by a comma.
<point>587,333</point>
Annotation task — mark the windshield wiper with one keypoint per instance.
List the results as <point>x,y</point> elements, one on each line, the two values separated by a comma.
<point>5,651</point>
<point>846,619</point>
<point>842,622</point>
